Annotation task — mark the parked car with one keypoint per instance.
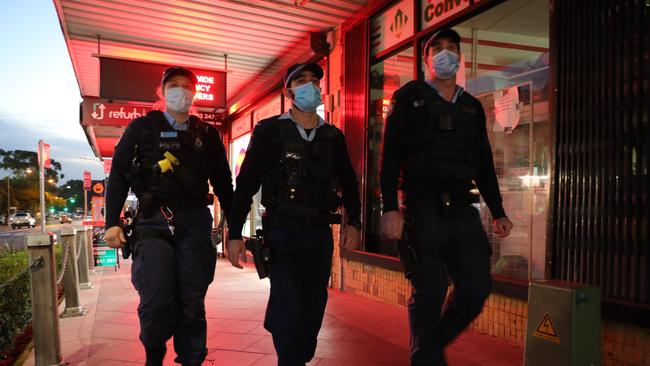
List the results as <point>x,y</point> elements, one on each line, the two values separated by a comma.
<point>22,219</point>
<point>66,219</point>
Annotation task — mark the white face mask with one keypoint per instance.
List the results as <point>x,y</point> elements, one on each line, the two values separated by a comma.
<point>178,99</point>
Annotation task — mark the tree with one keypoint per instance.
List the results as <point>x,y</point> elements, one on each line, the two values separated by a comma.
<point>23,166</point>
<point>73,192</point>
<point>21,162</point>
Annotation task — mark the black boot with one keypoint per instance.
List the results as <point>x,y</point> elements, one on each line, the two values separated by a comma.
<point>155,356</point>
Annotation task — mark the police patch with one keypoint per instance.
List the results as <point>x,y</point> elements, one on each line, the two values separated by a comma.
<point>418,103</point>
<point>169,134</point>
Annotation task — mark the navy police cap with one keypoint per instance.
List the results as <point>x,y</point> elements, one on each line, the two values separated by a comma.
<point>295,70</point>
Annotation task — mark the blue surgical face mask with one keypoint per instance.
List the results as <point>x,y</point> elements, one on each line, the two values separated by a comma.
<point>445,64</point>
<point>178,99</point>
<point>307,97</point>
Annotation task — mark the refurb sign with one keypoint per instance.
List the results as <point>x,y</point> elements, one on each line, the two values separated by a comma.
<point>392,26</point>
<point>97,112</point>
<point>435,11</point>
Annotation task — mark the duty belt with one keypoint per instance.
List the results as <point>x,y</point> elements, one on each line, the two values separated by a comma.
<point>441,199</point>
<point>291,221</point>
<point>176,204</point>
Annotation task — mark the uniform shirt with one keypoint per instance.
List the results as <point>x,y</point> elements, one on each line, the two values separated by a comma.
<point>176,125</point>
<point>118,182</point>
<point>264,152</point>
<point>396,139</point>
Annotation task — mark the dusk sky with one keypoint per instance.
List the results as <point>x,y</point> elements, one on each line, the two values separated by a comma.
<point>39,97</point>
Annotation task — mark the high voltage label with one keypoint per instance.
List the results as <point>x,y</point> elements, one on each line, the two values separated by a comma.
<point>546,330</point>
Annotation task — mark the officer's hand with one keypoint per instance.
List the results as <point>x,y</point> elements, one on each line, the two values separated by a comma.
<point>114,237</point>
<point>392,224</point>
<point>502,226</point>
<point>235,249</point>
<point>350,238</point>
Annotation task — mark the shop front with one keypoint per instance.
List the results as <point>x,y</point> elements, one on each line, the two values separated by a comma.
<point>515,55</point>
<point>505,51</point>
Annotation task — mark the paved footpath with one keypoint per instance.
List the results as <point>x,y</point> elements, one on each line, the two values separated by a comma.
<point>356,331</point>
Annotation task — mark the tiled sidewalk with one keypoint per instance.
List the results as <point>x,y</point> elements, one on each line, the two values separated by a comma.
<point>355,332</point>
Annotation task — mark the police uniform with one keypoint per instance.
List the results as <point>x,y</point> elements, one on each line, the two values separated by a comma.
<point>305,176</point>
<point>173,257</point>
<point>440,150</point>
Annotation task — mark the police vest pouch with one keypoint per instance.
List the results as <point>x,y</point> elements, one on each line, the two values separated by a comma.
<point>446,141</point>
<point>302,186</point>
<point>445,122</point>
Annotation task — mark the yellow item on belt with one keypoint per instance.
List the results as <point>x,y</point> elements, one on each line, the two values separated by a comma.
<point>168,162</point>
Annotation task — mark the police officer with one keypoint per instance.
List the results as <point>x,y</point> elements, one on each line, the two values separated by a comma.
<point>436,141</point>
<point>167,158</point>
<point>303,166</point>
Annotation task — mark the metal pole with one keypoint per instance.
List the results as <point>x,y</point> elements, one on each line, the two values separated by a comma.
<point>90,249</point>
<point>82,261</point>
<point>73,306</point>
<point>41,170</point>
<point>45,319</point>
<point>8,201</point>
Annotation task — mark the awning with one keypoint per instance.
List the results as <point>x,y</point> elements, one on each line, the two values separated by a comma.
<point>256,37</point>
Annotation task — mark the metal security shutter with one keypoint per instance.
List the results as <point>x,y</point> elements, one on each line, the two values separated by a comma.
<point>600,226</point>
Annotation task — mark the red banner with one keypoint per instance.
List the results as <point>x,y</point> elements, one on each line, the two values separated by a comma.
<point>47,163</point>
<point>87,179</point>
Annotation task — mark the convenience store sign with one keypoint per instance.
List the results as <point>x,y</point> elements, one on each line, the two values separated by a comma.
<point>435,11</point>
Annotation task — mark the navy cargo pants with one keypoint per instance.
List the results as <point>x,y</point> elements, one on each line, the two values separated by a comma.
<point>456,248</point>
<point>300,269</point>
<point>172,279</point>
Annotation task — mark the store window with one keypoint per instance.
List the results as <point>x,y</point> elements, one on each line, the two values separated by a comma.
<point>505,54</point>
<point>386,77</point>
<point>509,74</point>
<point>241,135</point>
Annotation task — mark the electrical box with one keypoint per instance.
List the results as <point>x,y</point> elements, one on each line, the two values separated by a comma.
<point>564,325</point>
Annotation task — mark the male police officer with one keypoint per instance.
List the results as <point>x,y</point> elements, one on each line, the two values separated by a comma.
<point>167,159</point>
<point>436,137</point>
<point>302,164</point>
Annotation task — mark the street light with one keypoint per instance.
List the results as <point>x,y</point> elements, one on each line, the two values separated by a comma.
<point>51,181</point>
<point>28,170</point>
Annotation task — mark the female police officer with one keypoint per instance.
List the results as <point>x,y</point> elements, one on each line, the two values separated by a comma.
<point>436,139</point>
<point>166,158</point>
<point>301,163</point>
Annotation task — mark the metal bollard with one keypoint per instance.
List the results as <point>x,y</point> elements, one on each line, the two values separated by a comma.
<point>45,320</point>
<point>82,261</point>
<point>71,280</point>
<point>91,249</point>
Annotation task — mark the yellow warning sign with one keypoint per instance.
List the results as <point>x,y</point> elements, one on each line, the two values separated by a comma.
<point>546,330</point>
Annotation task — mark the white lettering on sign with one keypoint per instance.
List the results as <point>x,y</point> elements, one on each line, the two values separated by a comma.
<point>205,79</point>
<point>125,114</point>
<point>203,96</point>
<point>204,90</point>
<point>435,11</point>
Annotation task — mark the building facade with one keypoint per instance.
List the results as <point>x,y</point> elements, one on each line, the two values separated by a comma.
<point>565,86</point>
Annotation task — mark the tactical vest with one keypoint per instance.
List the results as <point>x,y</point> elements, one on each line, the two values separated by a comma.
<point>188,180</point>
<point>302,185</point>
<point>445,144</point>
